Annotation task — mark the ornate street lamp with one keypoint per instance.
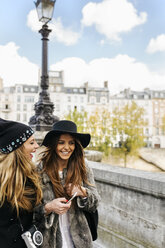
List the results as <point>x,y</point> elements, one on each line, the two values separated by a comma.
<point>45,10</point>
<point>44,118</point>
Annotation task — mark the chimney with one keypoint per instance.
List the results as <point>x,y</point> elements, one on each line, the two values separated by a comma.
<point>1,83</point>
<point>105,84</point>
<point>86,85</point>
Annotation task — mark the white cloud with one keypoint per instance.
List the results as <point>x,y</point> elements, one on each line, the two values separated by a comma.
<point>59,33</point>
<point>121,72</point>
<point>157,44</point>
<point>102,42</point>
<point>14,68</point>
<point>33,22</point>
<point>112,17</point>
<point>62,34</point>
<point>75,70</point>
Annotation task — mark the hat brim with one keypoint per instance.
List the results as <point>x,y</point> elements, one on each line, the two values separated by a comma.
<point>84,138</point>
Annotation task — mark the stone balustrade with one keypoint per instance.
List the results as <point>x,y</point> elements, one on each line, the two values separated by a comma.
<point>132,207</point>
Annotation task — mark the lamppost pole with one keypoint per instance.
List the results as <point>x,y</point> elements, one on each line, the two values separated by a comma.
<point>45,77</point>
<point>44,118</point>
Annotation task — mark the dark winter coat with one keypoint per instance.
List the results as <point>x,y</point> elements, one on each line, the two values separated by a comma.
<point>79,229</point>
<point>10,228</point>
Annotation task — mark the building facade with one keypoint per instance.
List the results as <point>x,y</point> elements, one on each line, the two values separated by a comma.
<point>17,103</point>
<point>153,103</point>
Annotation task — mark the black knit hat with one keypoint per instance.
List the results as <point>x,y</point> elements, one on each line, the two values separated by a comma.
<point>65,126</point>
<point>13,135</point>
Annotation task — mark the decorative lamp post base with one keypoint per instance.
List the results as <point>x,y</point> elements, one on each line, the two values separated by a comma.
<point>43,119</point>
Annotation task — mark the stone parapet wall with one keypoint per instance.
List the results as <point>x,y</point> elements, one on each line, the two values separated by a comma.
<point>132,207</point>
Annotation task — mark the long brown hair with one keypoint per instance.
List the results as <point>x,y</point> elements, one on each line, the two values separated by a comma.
<point>76,169</point>
<point>20,184</point>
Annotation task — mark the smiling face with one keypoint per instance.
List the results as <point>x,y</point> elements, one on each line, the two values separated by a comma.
<point>30,147</point>
<point>65,146</point>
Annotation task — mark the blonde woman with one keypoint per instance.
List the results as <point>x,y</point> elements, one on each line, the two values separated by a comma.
<point>20,188</point>
<point>65,173</point>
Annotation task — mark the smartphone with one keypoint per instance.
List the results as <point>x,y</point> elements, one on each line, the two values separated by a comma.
<point>73,196</point>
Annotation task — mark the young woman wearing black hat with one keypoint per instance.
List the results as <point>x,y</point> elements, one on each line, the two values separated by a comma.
<point>20,188</point>
<point>65,173</point>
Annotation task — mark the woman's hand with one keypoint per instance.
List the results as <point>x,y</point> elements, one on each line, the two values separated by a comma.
<point>80,192</point>
<point>58,205</point>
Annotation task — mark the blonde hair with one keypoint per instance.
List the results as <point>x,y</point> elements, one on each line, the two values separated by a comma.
<point>20,183</point>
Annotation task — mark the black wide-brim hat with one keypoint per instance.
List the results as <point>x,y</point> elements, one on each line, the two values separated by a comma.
<point>69,127</point>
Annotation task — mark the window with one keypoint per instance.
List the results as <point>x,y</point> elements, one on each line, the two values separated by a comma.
<point>68,90</point>
<point>75,90</point>
<point>24,107</point>
<point>18,117</point>
<point>32,89</point>
<point>24,117</point>
<point>157,121</point>
<point>97,98</point>
<point>6,97</point>
<point>92,100</point>
<point>29,98</point>
<point>69,99</point>
<point>18,98</point>
<point>157,131</point>
<point>57,107</point>
<point>82,108</point>
<point>6,106</point>
<point>147,131</point>
<point>81,90</point>
<point>18,107</point>
<point>18,89</point>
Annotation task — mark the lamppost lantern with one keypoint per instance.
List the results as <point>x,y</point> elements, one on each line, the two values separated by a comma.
<point>45,10</point>
<point>44,118</point>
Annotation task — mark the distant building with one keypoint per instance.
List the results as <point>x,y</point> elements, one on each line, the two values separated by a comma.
<point>154,104</point>
<point>158,112</point>
<point>97,97</point>
<point>17,103</point>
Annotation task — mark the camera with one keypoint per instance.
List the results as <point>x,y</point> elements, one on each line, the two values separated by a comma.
<point>33,238</point>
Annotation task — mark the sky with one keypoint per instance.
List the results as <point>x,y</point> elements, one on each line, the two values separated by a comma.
<point>119,41</point>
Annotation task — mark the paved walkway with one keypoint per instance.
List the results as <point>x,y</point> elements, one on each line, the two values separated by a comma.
<point>154,156</point>
<point>96,245</point>
<point>150,160</point>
